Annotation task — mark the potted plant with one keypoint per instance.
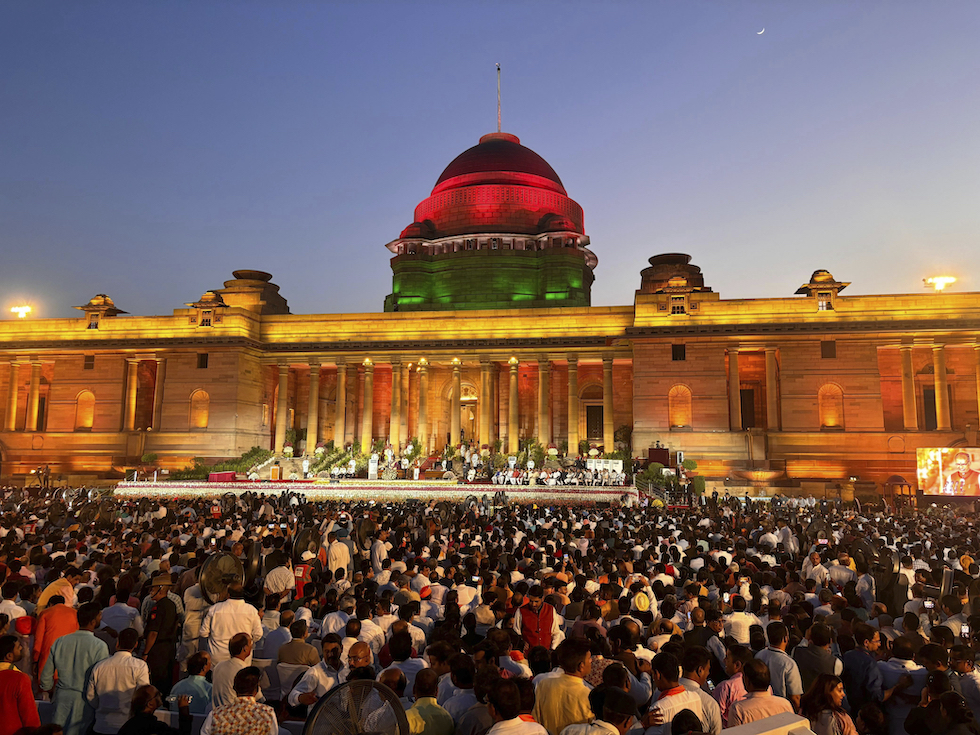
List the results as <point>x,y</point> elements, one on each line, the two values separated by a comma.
<point>287,449</point>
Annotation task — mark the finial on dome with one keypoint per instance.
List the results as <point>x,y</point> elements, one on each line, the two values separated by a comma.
<point>498,98</point>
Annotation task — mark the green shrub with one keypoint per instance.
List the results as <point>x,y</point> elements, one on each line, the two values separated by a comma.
<point>201,469</point>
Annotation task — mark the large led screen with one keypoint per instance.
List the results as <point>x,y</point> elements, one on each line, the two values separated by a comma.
<point>949,471</point>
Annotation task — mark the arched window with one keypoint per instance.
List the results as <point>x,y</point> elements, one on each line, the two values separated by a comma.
<point>84,411</point>
<point>830,402</point>
<point>200,407</point>
<point>679,406</point>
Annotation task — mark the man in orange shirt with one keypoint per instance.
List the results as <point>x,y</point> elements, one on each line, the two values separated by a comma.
<point>64,587</point>
<point>57,620</point>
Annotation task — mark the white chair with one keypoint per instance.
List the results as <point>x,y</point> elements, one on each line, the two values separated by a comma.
<point>269,682</point>
<point>289,674</point>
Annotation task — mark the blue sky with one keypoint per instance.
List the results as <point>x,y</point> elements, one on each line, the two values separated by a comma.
<point>147,149</point>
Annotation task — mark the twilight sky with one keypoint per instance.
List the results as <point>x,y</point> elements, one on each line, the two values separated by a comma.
<point>147,149</point>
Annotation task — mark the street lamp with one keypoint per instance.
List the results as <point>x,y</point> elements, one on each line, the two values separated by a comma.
<point>939,283</point>
<point>20,311</point>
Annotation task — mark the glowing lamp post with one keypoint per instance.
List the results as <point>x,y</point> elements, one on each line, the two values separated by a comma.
<point>20,311</point>
<point>939,283</point>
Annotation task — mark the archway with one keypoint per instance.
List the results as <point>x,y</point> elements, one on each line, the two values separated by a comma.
<point>200,409</point>
<point>830,402</point>
<point>84,411</point>
<point>679,409</point>
<point>469,412</point>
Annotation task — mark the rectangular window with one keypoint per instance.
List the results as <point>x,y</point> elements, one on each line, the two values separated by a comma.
<point>828,349</point>
<point>678,353</point>
<point>747,400</point>
<point>494,243</point>
<point>470,244</point>
<point>825,301</point>
<point>206,318</point>
<point>677,305</point>
<point>93,321</point>
<point>89,363</point>
<point>202,360</point>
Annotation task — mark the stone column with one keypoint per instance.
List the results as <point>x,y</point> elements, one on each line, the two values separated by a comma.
<point>395,426</point>
<point>33,397</point>
<point>340,420</point>
<point>942,392</point>
<point>406,425</point>
<point>423,423</point>
<point>544,401</point>
<point>282,408</point>
<point>608,422</point>
<point>10,424</point>
<point>367,410</point>
<point>158,383</point>
<point>772,390</point>
<point>132,383</point>
<point>494,402</point>
<point>908,391</point>
<point>313,413</point>
<point>454,405</point>
<point>573,405</point>
<point>486,403</point>
<point>734,392</point>
<point>513,413</point>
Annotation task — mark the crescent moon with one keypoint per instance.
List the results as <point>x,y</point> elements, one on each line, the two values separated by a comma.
<point>761,32</point>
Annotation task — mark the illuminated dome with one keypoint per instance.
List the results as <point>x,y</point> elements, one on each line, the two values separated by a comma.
<point>497,186</point>
<point>498,231</point>
<point>496,159</point>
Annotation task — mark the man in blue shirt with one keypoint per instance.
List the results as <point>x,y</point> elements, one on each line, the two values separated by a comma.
<point>862,678</point>
<point>72,658</point>
<point>195,685</point>
<point>786,680</point>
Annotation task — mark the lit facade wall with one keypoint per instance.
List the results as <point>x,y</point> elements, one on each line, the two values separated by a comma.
<point>143,373</point>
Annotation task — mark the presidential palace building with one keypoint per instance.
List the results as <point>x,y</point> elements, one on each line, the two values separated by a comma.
<point>488,334</point>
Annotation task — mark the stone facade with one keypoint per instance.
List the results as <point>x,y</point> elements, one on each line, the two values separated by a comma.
<point>821,394</point>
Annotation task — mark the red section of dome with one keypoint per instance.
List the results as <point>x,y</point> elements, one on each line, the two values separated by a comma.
<point>497,186</point>
<point>498,153</point>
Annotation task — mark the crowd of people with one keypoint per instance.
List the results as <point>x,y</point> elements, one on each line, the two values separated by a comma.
<point>571,476</point>
<point>508,620</point>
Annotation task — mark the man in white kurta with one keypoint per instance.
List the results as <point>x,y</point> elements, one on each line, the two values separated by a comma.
<point>112,683</point>
<point>223,620</point>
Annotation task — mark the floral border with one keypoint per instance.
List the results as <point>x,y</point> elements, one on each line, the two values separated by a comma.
<point>395,490</point>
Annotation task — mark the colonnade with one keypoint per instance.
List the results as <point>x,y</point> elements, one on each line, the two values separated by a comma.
<point>910,415</point>
<point>940,386</point>
<point>404,388</point>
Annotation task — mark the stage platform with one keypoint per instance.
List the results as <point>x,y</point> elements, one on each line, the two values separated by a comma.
<point>379,490</point>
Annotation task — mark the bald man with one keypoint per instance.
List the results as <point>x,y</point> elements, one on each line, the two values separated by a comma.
<point>359,656</point>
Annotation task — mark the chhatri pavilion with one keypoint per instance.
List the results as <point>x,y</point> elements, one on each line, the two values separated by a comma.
<point>489,335</point>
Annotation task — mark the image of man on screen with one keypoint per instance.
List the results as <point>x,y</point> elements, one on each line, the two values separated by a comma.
<point>962,480</point>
